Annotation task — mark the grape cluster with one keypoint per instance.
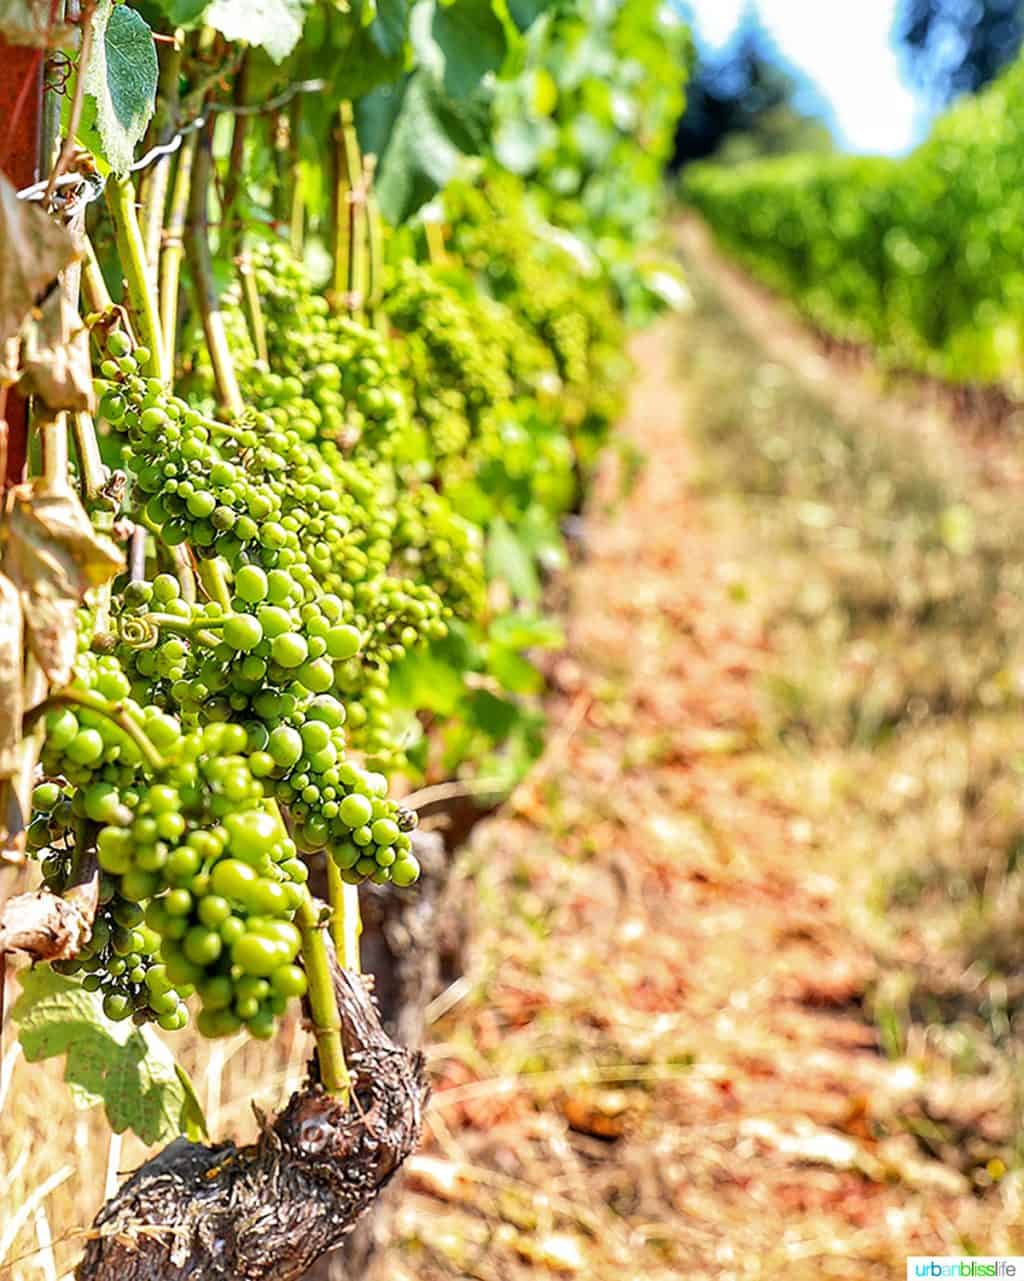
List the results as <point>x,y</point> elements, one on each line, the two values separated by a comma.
<point>307,536</point>
<point>220,881</point>
<point>521,262</point>
<point>120,958</point>
<point>454,370</point>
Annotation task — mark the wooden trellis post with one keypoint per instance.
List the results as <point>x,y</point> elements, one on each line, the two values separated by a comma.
<point>21,110</point>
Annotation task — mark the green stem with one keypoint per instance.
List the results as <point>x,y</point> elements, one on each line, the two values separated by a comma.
<point>53,440</point>
<point>357,247</point>
<point>296,204</point>
<point>253,308</point>
<point>435,243</point>
<point>348,182</point>
<point>201,262</point>
<point>94,287</point>
<point>211,575</point>
<point>335,886</point>
<point>183,571</point>
<point>155,198</point>
<point>279,152</point>
<point>353,927</point>
<point>91,471</point>
<point>375,244</point>
<point>203,630</point>
<point>322,1003</point>
<point>115,712</point>
<point>346,923</point>
<point>174,246</point>
<point>130,249</point>
<point>231,218</point>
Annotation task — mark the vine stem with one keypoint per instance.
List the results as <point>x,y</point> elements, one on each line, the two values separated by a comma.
<point>436,251</point>
<point>174,246</point>
<point>67,149</point>
<point>347,188</point>
<point>231,218</point>
<point>201,262</point>
<point>375,244</point>
<point>253,307</point>
<point>346,922</point>
<point>53,439</point>
<point>323,1006</point>
<point>279,155</point>
<point>181,558</point>
<point>211,575</point>
<point>94,287</point>
<point>115,712</point>
<point>137,555</point>
<point>92,472</point>
<point>357,246</point>
<point>155,200</point>
<point>296,204</point>
<point>187,626</point>
<point>131,251</point>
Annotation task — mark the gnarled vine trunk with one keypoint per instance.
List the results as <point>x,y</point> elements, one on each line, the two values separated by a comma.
<point>413,946</point>
<point>266,1212</point>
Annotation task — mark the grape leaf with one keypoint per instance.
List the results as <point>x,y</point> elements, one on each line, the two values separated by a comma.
<point>389,27</point>
<point>181,13</point>
<point>127,1069</point>
<point>458,44</point>
<point>121,76</point>
<point>526,631</point>
<point>524,13</point>
<point>274,25</point>
<point>419,156</point>
<point>509,560</point>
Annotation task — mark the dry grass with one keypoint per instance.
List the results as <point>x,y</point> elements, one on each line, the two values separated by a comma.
<point>743,1000</point>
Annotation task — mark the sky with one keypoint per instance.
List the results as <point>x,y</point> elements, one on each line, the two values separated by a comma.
<point>845,48</point>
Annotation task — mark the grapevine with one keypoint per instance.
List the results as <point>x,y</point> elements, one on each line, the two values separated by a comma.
<point>265,501</point>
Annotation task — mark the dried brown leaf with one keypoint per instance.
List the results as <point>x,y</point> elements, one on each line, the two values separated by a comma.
<point>12,698</point>
<point>33,251</point>
<point>55,355</point>
<point>10,361</point>
<point>53,557</point>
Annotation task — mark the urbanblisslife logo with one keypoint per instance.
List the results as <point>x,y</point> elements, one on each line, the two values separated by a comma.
<point>955,1266</point>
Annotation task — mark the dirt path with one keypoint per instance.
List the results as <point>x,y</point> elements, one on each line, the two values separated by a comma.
<point>663,1067</point>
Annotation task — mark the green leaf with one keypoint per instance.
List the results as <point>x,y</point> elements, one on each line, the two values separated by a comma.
<point>526,631</point>
<point>510,561</point>
<point>127,1069</point>
<point>274,25</point>
<point>459,43</point>
<point>426,681</point>
<point>180,13</point>
<point>121,76</point>
<point>193,1117</point>
<point>495,716</point>
<point>524,13</point>
<point>390,27</point>
<point>514,673</point>
<point>418,155</point>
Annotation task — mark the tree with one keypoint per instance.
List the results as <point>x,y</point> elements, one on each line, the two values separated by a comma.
<point>747,96</point>
<point>953,47</point>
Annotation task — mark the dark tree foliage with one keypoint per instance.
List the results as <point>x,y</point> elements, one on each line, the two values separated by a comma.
<point>957,46</point>
<point>746,91</point>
